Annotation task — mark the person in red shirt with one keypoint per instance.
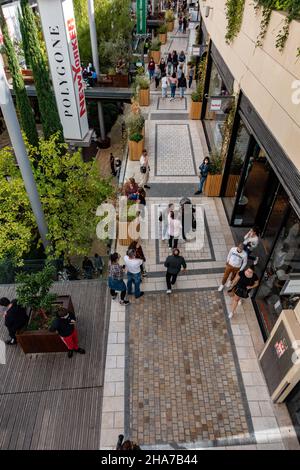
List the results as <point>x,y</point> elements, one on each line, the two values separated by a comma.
<point>151,68</point>
<point>64,324</point>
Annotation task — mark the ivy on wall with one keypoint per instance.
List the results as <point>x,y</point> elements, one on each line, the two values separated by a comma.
<point>292,10</point>
<point>234,16</point>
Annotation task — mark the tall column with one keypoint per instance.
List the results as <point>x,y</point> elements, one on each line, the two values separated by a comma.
<point>14,131</point>
<point>95,54</point>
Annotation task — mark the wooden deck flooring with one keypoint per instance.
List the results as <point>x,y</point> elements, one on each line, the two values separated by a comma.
<point>48,401</point>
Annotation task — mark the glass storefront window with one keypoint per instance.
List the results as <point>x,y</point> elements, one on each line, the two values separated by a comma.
<point>214,120</point>
<point>283,265</point>
<point>235,171</point>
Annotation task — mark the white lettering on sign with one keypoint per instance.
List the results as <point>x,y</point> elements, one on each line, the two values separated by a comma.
<point>59,28</point>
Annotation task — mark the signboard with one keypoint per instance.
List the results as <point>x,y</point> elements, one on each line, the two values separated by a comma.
<point>58,22</point>
<point>141,16</point>
<point>215,105</point>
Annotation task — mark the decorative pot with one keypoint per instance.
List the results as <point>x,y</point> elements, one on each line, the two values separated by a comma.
<point>156,56</point>
<point>195,110</point>
<point>212,186</point>
<point>144,97</point>
<point>163,38</point>
<point>170,25</point>
<point>135,149</point>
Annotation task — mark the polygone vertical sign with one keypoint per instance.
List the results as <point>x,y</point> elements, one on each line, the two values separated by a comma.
<point>58,22</point>
<point>141,16</point>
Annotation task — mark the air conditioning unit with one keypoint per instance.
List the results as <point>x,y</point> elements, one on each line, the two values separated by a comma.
<point>280,358</point>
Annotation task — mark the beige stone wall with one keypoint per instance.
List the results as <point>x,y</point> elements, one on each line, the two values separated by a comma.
<point>264,74</point>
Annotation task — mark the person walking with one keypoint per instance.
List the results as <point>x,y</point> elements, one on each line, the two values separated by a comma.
<point>173,263</point>
<point>65,325</point>
<point>133,266</point>
<point>180,71</point>
<point>174,61</point>
<point>118,164</point>
<point>162,67</point>
<point>191,74</point>
<point>144,169</point>
<point>112,165</point>
<point>184,24</point>
<point>181,59</point>
<point>164,87</point>
<point>139,254</point>
<point>169,63</point>
<point>182,85</point>
<point>180,24</point>
<point>151,68</point>
<point>243,283</point>
<point>173,84</point>
<point>115,279</point>
<point>204,170</point>
<point>236,261</point>
<point>15,318</point>
<point>174,230</point>
<point>157,76</point>
<point>251,240</point>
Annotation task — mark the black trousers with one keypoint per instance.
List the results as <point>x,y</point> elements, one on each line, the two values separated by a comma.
<point>171,279</point>
<point>113,293</point>
<point>12,332</point>
<point>171,244</point>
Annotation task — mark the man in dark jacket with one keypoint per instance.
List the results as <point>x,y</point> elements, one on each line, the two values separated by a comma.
<point>174,263</point>
<point>64,324</point>
<point>15,318</point>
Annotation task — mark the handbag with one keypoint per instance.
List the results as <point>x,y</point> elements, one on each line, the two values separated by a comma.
<point>143,169</point>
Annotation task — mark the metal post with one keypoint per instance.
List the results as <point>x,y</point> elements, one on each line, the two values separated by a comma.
<point>14,131</point>
<point>93,35</point>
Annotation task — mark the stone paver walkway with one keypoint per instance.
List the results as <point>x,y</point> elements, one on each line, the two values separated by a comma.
<point>178,373</point>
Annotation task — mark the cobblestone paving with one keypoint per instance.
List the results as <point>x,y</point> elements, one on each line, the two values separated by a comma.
<point>183,380</point>
<point>174,140</point>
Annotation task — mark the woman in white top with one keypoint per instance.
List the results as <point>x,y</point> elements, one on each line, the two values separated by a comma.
<point>144,169</point>
<point>164,86</point>
<point>250,242</point>
<point>174,230</point>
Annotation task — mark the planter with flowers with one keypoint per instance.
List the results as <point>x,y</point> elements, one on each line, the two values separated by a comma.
<point>135,128</point>
<point>155,50</point>
<point>170,19</point>
<point>142,85</point>
<point>163,33</point>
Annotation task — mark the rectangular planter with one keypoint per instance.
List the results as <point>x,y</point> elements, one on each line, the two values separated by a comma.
<point>170,25</point>
<point>155,55</point>
<point>195,110</point>
<point>124,241</point>
<point>212,186</point>
<point>144,97</point>
<point>135,149</point>
<point>232,185</point>
<point>44,341</point>
<point>120,81</point>
<point>163,38</point>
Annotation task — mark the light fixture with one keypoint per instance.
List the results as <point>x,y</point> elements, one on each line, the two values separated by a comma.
<point>206,11</point>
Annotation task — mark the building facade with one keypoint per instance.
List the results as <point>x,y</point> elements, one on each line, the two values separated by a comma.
<point>261,169</point>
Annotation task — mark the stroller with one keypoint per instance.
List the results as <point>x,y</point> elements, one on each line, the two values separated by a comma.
<point>188,216</point>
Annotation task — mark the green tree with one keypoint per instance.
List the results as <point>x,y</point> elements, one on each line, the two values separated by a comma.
<point>47,104</point>
<point>24,40</point>
<point>23,103</point>
<point>70,192</point>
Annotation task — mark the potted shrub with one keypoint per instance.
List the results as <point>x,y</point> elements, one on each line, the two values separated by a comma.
<point>162,31</point>
<point>33,293</point>
<point>155,50</point>
<point>197,95</point>
<point>142,85</point>
<point>170,18</point>
<point>213,182</point>
<point>235,173</point>
<point>135,128</point>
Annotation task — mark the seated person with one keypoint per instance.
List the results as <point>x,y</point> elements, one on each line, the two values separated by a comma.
<point>15,318</point>
<point>98,263</point>
<point>130,188</point>
<point>88,268</point>
<point>72,272</point>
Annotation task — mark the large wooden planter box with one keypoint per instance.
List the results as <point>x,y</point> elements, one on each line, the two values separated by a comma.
<point>212,186</point>
<point>163,38</point>
<point>170,25</point>
<point>195,110</point>
<point>43,341</point>
<point>126,240</point>
<point>144,97</point>
<point>120,80</point>
<point>232,185</point>
<point>155,55</point>
<point>135,149</point>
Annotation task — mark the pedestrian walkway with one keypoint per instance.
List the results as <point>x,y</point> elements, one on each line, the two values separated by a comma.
<point>179,373</point>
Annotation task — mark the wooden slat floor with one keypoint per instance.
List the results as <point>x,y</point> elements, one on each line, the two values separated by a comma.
<point>48,401</point>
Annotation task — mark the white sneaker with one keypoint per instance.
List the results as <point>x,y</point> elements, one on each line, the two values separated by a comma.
<point>169,291</point>
<point>255,261</point>
<point>220,288</point>
<point>170,249</point>
<point>230,315</point>
<point>240,302</point>
<point>228,283</point>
